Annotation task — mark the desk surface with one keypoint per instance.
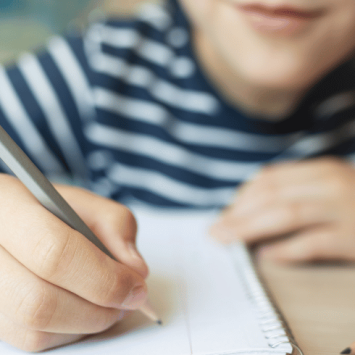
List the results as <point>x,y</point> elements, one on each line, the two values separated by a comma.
<point>318,303</point>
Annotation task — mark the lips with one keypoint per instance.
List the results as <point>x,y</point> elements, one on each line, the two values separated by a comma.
<point>280,11</point>
<point>280,20</point>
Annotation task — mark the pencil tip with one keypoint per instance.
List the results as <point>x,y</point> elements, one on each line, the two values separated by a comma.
<point>159,322</point>
<point>346,351</point>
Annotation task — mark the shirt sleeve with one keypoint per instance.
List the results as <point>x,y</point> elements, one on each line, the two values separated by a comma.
<point>45,100</point>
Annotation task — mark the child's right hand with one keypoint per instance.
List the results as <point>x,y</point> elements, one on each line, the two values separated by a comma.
<point>56,286</point>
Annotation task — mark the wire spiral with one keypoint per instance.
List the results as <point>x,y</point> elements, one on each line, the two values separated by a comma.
<point>271,321</point>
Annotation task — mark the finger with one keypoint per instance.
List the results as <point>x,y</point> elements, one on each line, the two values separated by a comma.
<point>316,244</point>
<point>62,256</point>
<point>300,171</point>
<point>315,179</point>
<point>112,222</point>
<point>277,220</point>
<point>38,305</point>
<point>30,340</point>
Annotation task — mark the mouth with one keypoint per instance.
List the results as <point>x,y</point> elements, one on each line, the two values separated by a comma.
<point>281,11</point>
<point>279,19</point>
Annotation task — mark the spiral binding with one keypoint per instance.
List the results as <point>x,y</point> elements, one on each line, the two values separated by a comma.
<point>272,323</point>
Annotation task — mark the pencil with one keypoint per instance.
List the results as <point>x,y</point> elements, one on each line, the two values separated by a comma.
<point>350,350</point>
<point>27,172</point>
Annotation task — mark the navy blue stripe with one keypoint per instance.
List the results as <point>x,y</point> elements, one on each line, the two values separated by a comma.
<point>342,149</point>
<point>131,57</point>
<point>163,134</point>
<point>76,44</point>
<point>35,113</point>
<point>65,98</point>
<point>183,175</point>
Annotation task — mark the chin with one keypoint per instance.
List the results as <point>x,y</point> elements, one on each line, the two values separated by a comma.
<point>277,83</point>
<point>281,78</point>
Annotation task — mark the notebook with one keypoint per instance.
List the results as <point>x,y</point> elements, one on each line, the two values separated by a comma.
<point>209,297</point>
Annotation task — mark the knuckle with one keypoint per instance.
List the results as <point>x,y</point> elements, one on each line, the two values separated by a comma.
<point>115,288</point>
<point>123,219</point>
<point>37,308</point>
<point>127,216</point>
<point>54,253</point>
<point>130,219</point>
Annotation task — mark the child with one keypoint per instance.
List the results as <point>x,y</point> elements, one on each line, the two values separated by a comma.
<point>176,109</point>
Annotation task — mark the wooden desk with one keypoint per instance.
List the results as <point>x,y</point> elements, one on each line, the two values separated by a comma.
<point>318,303</point>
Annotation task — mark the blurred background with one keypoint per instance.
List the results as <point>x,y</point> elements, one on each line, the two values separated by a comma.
<point>26,24</point>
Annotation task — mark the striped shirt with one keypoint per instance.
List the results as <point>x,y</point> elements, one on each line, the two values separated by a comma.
<point>127,109</point>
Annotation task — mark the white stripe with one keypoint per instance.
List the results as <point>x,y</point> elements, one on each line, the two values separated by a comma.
<point>155,16</point>
<point>184,99</point>
<point>148,112</point>
<point>26,130</point>
<point>56,118</point>
<point>168,153</point>
<point>104,187</point>
<point>73,75</point>
<point>116,37</point>
<point>155,52</point>
<point>226,138</point>
<point>119,68</point>
<point>147,49</point>
<point>169,188</point>
<point>92,42</point>
<point>137,109</point>
<point>160,89</point>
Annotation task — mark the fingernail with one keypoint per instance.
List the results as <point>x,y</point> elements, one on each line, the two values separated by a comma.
<point>135,297</point>
<point>346,351</point>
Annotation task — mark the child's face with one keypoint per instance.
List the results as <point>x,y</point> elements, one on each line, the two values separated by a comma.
<point>279,44</point>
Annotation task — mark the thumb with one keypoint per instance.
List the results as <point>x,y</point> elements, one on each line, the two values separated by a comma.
<point>121,230</point>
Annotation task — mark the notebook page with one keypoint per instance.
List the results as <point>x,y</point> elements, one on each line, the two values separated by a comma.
<point>194,287</point>
<point>221,318</point>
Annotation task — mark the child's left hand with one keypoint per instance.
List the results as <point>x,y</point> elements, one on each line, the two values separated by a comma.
<point>311,204</point>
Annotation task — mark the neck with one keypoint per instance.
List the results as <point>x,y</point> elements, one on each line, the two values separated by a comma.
<point>259,102</point>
